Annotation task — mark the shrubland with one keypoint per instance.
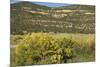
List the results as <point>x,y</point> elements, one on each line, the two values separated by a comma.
<point>46,48</point>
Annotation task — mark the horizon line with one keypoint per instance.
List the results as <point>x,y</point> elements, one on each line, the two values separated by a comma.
<point>48,4</point>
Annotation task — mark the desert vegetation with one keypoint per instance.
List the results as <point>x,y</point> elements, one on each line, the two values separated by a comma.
<point>47,48</point>
<point>46,35</point>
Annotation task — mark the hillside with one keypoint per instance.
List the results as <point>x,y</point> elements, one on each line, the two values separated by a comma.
<point>76,7</point>
<point>30,17</point>
<point>28,4</point>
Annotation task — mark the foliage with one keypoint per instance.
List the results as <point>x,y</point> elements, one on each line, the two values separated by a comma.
<point>44,48</point>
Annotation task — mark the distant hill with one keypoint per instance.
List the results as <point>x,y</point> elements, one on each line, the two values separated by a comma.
<point>28,4</point>
<point>30,17</point>
<point>75,7</point>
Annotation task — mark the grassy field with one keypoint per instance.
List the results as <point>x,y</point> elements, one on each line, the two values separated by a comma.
<point>80,38</point>
<point>51,48</point>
